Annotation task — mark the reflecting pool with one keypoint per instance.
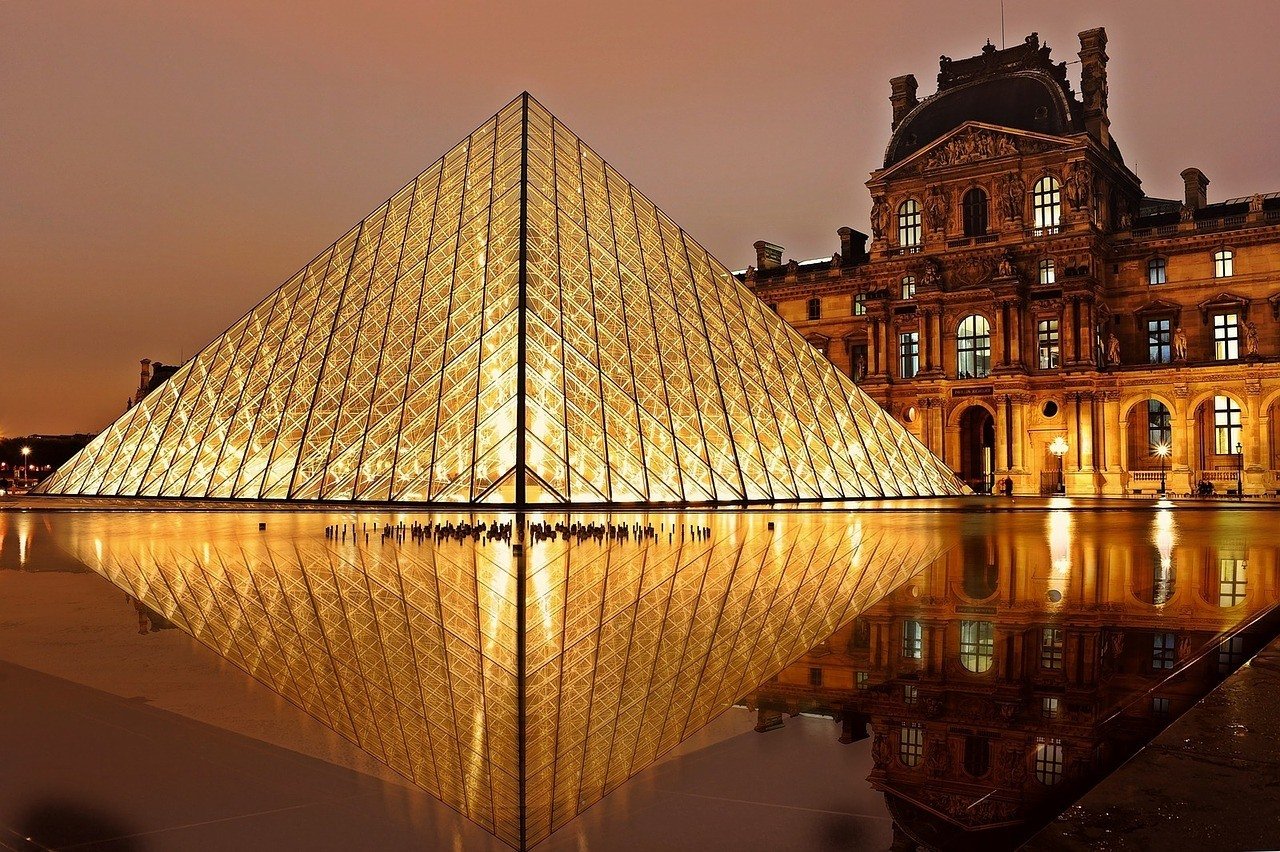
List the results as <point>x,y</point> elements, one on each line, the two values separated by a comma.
<point>992,665</point>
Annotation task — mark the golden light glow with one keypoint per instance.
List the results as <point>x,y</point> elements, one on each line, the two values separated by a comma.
<point>389,367</point>
<point>410,650</point>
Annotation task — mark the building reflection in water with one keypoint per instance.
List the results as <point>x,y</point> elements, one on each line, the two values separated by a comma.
<point>413,648</point>
<point>1019,669</point>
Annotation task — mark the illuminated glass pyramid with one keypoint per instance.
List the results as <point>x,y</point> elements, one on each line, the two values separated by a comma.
<point>519,280</point>
<point>518,704</point>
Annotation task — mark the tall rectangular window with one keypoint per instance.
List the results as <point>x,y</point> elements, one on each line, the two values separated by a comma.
<point>1230,655</point>
<point>815,676</point>
<point>1231,581</point>
<point>1159,428</point>
<point>1159,341</point>
<point>815,309</point>
<point>1226,425</point>
<point>1226,337</point>
<point>1224,264</point>
<point>1046,205</point>
<point>909,351</point>
<point>1048,273</point>
<point>1164,651</point>
<point>912,640</point>
<point>977,645</point>
<point>911,743</point>
<point>1052,645</point>
<point>910,225</point>
<point>1047,344</point>
<point>1048,760</point>
<point>1157,271</point>
<point>859,304</point>
<point>908,289</point>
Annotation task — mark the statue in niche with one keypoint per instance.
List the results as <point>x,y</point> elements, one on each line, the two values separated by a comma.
<point>931,278</point>
<point>1079,185</point>
<point>1011,197</point>
<point>1113,349</point>
<point>935,209</point>
<point>879,217</point>
<point>1250,339</point>
<point>1179,344</point>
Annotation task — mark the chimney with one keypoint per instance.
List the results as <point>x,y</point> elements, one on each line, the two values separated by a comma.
<point>768,256</point>
<point>146,377</point>
<point>1093,84</point>
<point>903,97</point>
<point>1195,188</point>
<point>853,246</point>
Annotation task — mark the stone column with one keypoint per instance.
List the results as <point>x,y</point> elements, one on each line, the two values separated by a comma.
<point>1020,404</point>
<point>873,341</point>
<point>1000,336</point>
<point>938,361</point>
<point>1015,333</point>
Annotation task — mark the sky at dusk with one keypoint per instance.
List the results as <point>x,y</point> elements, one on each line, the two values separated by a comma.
<point>166,165</point>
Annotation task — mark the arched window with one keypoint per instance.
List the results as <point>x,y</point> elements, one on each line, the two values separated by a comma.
<point>1226,425</point>
<point>910,226</point>
<point>1224,263</point>
<point>1048,272</point>
<point>1157,270</point>
<point>974,212</point>
<point>1159,428</point>
<point>908,287</point>
<point>973,347</point>
<point>1046,204</point>
<point>977,645</point>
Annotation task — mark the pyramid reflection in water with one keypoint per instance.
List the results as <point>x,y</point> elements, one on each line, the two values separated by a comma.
<point>414,652</point>
<point>516,325</point>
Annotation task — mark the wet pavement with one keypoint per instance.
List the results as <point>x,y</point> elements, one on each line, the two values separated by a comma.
<point>1211,781</point>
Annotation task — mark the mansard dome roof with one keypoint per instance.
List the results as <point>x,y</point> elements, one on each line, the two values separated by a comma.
<point>1018,88</point>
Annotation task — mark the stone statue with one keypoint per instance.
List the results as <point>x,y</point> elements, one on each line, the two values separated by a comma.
<point>1255,203</point>
<point>1187,214</point>
<point>1004,266</point>
<point>1250,339</point>
<point>1113,349</point>
<point>879,217</point>
<point>1179,344</point>
<point>1011,198</point>
<point>860,367</point>
<point>932,275</point>
<point>935,209</point>
<point>836,260</point>
<point>751,275</point>
<point>1079,185</point>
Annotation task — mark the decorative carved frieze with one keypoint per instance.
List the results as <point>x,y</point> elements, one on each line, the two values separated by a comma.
<point>971,146</point>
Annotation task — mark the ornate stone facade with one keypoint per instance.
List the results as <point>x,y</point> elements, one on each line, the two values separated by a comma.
<point>1020,287</point>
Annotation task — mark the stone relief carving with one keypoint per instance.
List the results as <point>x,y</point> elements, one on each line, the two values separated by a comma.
<point>935,208</point>
<point>970,147</point>
<point>1079,185</point>
<point>1012,193</point>
<point>879,217</point>
<point>931,277</point>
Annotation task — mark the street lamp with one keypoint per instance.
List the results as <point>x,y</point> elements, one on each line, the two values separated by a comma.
<point>26,463</point>
<point>1058,446</point>
<point>1162,450</point>
<point>1239,471</point>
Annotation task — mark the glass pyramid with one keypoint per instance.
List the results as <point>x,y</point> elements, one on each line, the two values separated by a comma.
<point>518,325</point>
<point>518,704</point>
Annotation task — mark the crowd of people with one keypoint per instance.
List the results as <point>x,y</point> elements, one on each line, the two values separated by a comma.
<point>493,531</point>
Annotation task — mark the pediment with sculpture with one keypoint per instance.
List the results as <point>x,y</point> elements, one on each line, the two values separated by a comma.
<point>975,142</point>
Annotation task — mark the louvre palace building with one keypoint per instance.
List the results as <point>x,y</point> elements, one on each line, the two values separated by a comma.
<point>1029,313</point>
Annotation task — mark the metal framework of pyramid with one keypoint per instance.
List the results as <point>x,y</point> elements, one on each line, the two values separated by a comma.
<point>518,325</point>
<point>517,686</point>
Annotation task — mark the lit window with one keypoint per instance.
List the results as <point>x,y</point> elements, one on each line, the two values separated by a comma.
<point>815,676</point>
<point>911,743</point>
<point>1160,707</point>
<point>1226,337</point>
<point>1226,425</point>
<point>910,693</point>
<point>973,347</point>
<point>1159,341</point>
<point>1047,344</point>
<point>1159,428</point>
<point>977,645</point>
<point>910,226</point>
<point>974,212</point>
<point>912,640</point>
<point>1230,655</point>
<point>1047,272</point>
<point>1157,270</point>
<point>1231,581</point>
<point>1049,707</point>
<point>861,679</point>
<point>815,309</point>
<point>1164,651</point>
<point>1048,760</point>
<point>909,350</point>
<point>908,287</point>
<point>1052,644</point>
<point>1224,263</point>
<point>1046,202</point>
<point>859,304</point>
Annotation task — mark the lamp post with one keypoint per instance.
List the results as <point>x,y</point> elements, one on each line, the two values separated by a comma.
<point>26,463</point>
<point>1162,450</point>
<point>1058,446</point>
<point>1239,471</point>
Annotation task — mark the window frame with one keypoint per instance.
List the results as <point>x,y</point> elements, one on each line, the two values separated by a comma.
<point>1224,263</point>
<point>977,646</point>
<point>907,287</point>
<point>1047,271</point>
<point>910,218</point>
<point>1232,589</point>
<point>1046,205</point>
<point>1164,651</point>
<point>813,308</point>
<point>859,306</point>
<point>908,356</point>
<point>1049,342</point>
<point>910,743</point>
<point>1227,428</point>
<point>912,639</point>
<point>1160,340</point>
<point>1049,763</point>
<point>1157,267</point>
<point>973,344</point>
<point>1226,336</point>
<point>975,212</point>
<point>1053,648</point>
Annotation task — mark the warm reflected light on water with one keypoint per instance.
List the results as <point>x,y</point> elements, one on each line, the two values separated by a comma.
<point>1059,523</point>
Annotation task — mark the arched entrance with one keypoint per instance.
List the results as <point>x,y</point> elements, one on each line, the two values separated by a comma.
<point>1148,445</point>
<point>978,449</point>
<point>1218,454</point>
